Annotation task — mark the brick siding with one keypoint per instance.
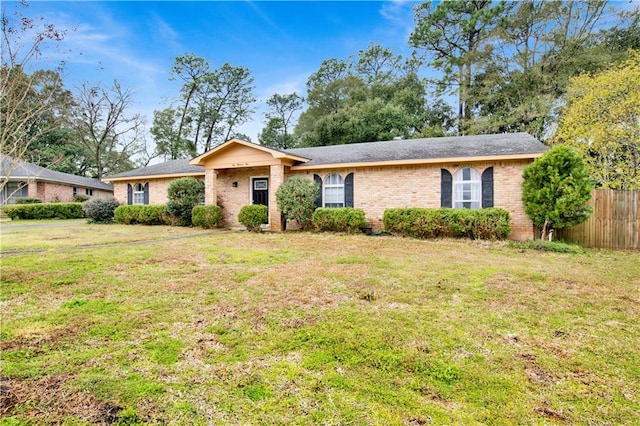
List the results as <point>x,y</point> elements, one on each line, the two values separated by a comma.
<point>375,189</point>
<point>49,192</point>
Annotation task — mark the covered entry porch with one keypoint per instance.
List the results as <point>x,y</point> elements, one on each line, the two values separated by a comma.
<point>238,173</point>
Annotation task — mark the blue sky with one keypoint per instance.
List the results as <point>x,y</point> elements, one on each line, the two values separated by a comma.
<point>281,42</point>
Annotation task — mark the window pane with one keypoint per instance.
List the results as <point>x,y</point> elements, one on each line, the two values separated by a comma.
<point>334,191</point>
<point>138,198</point>
<point>467,189</point>
<point>334,195</point>
<point>334,179</point>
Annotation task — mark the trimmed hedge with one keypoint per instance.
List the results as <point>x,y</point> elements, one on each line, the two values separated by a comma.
<point>484,224</point>
<point>206,216</point>
<point>81,198</point>
<point>144,215</point>
<point>44,211</point>
<point>28,200</point>
<point>253,216</point>
<point>344,219</point>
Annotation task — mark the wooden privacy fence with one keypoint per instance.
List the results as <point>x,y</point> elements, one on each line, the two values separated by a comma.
<point>614,224</point>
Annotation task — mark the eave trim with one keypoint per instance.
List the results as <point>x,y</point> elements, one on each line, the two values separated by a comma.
<point>418,161</point>
<point>172,175</point>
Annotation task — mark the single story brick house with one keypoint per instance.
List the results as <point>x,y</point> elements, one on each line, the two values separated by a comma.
<point>460,172</point>
<point>30,180</point>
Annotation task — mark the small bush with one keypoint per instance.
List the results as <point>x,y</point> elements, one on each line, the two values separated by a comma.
<point>100,209</point>
<point>486,224</point>
<point>28,200</point>
<point>184,194</point>
<point>296,198</point>
<point>345,219</point>
<point>253,216</point>
<point>206,216</point>
<point>44,211</point>
<point>81,198</point>
<point>143,215</point>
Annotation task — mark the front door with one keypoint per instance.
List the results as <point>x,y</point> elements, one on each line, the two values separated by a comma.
<point>260,191</point>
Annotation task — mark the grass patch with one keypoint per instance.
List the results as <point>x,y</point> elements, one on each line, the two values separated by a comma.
<point>304,328</point>
<point>550,246</point>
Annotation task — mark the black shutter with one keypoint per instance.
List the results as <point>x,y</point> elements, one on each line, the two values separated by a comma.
<point>129,194</point>
<point>146,193</point>
<point>318,180</point>
<point>446,187</point>
<point>348,190</point>
<point>487,188</point>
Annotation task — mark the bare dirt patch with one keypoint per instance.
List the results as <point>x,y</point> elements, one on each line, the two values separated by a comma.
<point>49,400</point>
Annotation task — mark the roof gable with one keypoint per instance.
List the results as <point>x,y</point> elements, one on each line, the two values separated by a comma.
<point>238,153</point>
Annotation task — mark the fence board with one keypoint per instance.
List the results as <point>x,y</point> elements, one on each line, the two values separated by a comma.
<point>614,224</point>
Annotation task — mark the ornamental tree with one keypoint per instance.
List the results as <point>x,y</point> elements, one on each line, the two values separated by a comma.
<point>296,199</point>
<point>556,190</point>
<point>602,123</point>
<point>184,194</point>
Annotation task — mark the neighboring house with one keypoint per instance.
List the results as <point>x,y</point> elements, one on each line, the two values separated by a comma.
<point>459,172</point>
<point>29,180</point>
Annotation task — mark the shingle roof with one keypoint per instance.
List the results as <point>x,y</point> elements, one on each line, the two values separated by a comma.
<point>171,167</point>
<point>28,171</point>
<point>385,151</point>
<point>423,149</point>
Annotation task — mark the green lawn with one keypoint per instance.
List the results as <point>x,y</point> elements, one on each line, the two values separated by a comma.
<point>185,326</point>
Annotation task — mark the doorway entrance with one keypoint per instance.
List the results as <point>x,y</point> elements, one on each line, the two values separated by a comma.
<point>260,191</point>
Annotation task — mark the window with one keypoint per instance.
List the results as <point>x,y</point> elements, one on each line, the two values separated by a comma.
<point>467,189</point>
<point>14,190</point>
<point>333,191</point>
<point>89,191</point>
<point>75,191</point>
<point>138,194</point>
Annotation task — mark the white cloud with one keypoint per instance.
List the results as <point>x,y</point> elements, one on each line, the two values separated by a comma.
<point>397,11</point>
<point>399,17</point>
<point>164,32</point>
<point>292,83</point>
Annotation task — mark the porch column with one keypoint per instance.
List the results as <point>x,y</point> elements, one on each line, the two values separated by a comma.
<point>276,178</point>
<point>210,188</point>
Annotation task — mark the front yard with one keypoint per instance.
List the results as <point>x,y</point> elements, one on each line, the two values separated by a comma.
<point>132,324</point>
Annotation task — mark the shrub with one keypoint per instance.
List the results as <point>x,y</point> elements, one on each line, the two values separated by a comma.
<point>488,224</point>
<point>206,216</point>
<point>414,222</point>
<point>556,190</point>
<point>184,194</point>
<point>28,200</point>
<point>296,199</point>
<point>253,216</point>
<point>143,215</point>
<point>81,198</point>
<point>45,211</point>
<point>100,209</point>
<point>345,219</point>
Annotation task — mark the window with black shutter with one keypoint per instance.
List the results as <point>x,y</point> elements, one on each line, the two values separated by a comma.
<point>446,187</point>
<point>348,190</point>
<point>318,180</point>
<point>487,188</point>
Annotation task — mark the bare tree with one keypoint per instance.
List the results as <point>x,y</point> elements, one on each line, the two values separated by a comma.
<point>105,130</point>
<point>26,106</point>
